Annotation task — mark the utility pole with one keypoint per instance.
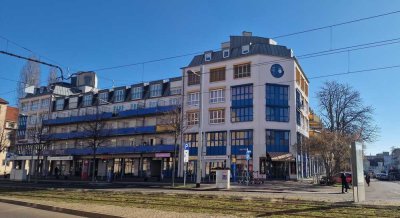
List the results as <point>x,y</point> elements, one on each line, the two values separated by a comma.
<point>200,148</point>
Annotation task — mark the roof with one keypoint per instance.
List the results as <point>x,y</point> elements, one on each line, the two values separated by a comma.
<point>12,114</point>
<point>2,101</point>
<point>259,45</point>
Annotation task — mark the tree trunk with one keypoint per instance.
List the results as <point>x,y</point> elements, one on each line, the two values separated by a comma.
<point>173,163</point>
<point>94,165</point>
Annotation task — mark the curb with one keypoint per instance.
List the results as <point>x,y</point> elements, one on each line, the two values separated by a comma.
<point>57,209</point>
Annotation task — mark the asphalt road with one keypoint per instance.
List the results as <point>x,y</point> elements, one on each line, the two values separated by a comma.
<point>383,191</point>
<point>15,211</point>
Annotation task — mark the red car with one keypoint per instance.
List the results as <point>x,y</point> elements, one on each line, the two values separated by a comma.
<point>338,177</point>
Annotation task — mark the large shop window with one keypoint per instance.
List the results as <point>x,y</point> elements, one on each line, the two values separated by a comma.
<point>241,140</point>
<point>277,140</point>
<point>242,103</point>
<point>277,103</point>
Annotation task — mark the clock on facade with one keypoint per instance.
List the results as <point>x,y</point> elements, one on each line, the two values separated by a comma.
<point>277,70</point>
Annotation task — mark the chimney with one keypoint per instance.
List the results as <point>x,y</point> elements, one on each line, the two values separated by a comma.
<point>245,33</point>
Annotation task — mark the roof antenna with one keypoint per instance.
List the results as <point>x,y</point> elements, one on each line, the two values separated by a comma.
<point>113,83</point>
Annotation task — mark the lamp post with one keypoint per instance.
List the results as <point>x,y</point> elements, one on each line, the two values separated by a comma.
<point>200,148</point>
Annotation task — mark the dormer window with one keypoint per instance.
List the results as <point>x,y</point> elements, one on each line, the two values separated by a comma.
<point>245,49</point>
<point>225,53</point>
<point>119,95</point>
<point>155,90</point>
<point>207,56</point>
<point>103,97</point>
<point>87,100</point>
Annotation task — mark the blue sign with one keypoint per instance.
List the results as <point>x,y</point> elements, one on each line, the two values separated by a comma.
<point>248,152</point>
<point>277,70</point>
<point>186,146</point>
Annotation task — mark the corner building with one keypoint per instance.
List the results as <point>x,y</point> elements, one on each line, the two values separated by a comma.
<point>253,95</point>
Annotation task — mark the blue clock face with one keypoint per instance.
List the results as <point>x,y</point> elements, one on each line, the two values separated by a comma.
<point>277,71</point>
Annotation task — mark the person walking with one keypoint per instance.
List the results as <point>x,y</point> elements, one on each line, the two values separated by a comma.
<point>345,186</point>
<point>56,172</point>
<point>368,178</point>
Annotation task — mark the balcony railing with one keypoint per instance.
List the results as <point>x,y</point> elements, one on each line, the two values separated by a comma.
<point>108,115</point>
<point>103,133</point>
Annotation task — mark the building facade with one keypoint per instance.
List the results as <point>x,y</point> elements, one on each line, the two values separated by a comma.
<point>130,124</point>
<point>250,95</point>
<point>8,127</point>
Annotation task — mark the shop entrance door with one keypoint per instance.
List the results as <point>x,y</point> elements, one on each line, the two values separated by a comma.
<point>155,168</point>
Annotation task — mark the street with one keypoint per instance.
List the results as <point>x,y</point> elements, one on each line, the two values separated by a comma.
<point>15,211</point>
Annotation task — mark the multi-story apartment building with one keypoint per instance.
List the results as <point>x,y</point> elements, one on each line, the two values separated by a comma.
<point>8,126</point>
<point>253,95</point>
<point>35,107</point>
<point>135,134</point>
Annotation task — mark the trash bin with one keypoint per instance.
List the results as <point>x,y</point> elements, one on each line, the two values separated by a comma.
<point>223,178</point>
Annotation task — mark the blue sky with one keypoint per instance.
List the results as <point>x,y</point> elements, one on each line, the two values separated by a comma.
<point>87,35</point>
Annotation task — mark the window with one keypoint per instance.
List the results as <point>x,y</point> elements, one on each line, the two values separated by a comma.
<point>24,107</point>
<point>155,90</point>
<point>192,139</point>
<point>242,103</point>
<point>119,95</point>
<point>277,140</point>
<point>137,92</point>
<point>241,137</point>
<point>35,105</point>
<point>194,98</point>
<point>32,119</point>
<point>87,100</point>
<point>134,106</point>
<point>217,96</point>
<point>45,103</point>
<point>207,56</point>
<point>88,80</point>
<point>241,71</point>
<point>192,118</point>
<point>59,104</point>
<point>225,53</point>
<point>73,103</point>
<point>174,101</point>
<point>277,103</point>
<point>118,108</point>
<point>193,78</point>
<point>216,139</point>
<point>217,116</point>
<point>217,74</point>
<point>152,104</point>
<point>241,114</point>
<point>103,98</point>
<point>279,114</point>
<point>175,91</point>
<point>245,49</point>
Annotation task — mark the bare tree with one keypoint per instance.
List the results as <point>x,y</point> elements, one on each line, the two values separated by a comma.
<point>4,141</point>
<point>29,76</point>
<point>97,135</point>
<point>343,111</point>
<point>175,121</point>
<point>332,148</point>
<point>52,77</point>
<point>39,136</point>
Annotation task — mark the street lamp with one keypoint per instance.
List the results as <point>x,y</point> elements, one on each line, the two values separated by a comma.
<point>200,148</point>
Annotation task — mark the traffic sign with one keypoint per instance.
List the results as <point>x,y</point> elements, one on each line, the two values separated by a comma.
<point>186,146</point>
<point>248,152</point>
<point>186,156</point>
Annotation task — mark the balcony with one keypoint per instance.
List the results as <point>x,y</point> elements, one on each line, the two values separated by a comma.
<point>105,133</point>
<point>77,119</point>
<point>123,114</point>
<point>116,150</point>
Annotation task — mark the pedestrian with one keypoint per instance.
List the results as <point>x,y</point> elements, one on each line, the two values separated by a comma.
<point>368,178</point>
<point>56,172</point>
<point>345,186</point>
